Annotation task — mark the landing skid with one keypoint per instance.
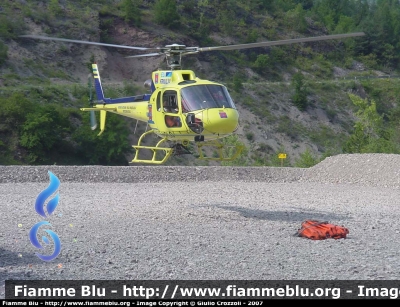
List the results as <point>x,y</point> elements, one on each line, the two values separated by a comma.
<point>161,154</point>
<point>165,152</point>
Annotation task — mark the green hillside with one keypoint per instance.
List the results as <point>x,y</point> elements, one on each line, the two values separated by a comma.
<point>309,100</point>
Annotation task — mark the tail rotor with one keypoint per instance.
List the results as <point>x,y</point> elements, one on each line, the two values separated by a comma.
<point>93,122</point>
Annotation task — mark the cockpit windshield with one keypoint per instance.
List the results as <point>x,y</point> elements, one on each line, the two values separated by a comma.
<point>205,96</point>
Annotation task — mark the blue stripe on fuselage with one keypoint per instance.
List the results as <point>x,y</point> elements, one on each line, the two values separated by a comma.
<point>145,97</point>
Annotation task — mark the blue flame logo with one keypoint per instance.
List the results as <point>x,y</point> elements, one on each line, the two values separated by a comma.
<point>51,206</point>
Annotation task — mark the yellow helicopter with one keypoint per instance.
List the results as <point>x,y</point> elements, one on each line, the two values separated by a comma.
<point>180,108</point>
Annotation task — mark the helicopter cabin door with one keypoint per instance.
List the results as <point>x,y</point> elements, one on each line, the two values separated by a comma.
<point>167,103</point>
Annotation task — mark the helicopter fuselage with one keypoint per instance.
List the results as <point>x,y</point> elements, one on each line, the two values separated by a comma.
<point>181,107</point>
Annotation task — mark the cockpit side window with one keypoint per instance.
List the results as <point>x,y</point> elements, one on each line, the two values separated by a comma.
<point>170,102</point>
<point>228,98</point>
<point>159,101</point>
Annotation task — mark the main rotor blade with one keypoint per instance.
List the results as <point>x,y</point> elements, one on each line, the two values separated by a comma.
<point>84,42</point>
<point>142,55</point>
<point>281,42</point>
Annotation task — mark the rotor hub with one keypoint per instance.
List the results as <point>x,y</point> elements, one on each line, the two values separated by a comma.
<point>174,54</point>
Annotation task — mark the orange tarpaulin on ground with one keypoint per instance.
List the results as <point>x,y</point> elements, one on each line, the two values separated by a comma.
<point>316,230</point>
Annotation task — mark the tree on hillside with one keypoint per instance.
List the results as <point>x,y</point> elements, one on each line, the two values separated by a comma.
<point>166,13</point>
<point>3,52</point>
<point>300,91</point>
<point>43,131</point>
<point>295,19</point>
<point>55,8</point>
<point>306,4</point>
<point>306,159</point>
<point>381,23</point>
<point>370,134</point>
<point>132,11</point>
<point>110,148</point>
<point>262,64</point>
<point>331,11</point>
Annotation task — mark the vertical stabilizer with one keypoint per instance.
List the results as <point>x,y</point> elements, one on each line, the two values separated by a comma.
<point>100,96</point>
<point>97,83</point>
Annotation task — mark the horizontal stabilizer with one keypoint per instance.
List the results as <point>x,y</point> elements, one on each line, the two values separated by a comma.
<point>105,108</point>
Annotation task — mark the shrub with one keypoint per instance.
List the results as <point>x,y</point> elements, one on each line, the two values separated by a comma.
<point>250,136</point>
<point>166,13</point>
<point>306,159</point>
<point>3,53</point>
<point>300,95</point>
<point>132,12</point>
<point>262,63</point>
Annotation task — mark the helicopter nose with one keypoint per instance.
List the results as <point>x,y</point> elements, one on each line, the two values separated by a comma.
<point>221,120</point>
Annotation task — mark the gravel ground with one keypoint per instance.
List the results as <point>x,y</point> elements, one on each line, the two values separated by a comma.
<point>166,223</point>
